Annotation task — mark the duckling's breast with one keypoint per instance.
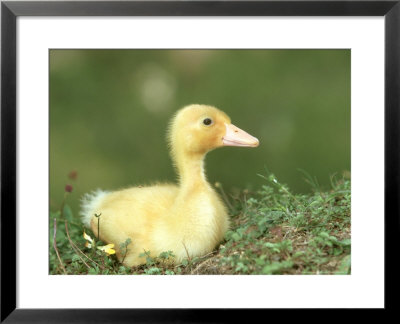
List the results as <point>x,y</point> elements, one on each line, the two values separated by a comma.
<point>195,225</point>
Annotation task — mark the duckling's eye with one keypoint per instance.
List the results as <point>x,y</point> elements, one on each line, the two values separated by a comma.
<point>207,121</point>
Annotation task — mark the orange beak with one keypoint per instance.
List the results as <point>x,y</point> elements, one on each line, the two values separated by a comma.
<point>234,136</point>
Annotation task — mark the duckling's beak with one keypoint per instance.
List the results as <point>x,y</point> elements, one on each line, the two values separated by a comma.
<point>234,136</point>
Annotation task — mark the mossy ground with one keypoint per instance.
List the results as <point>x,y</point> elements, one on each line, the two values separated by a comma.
<point>273,232</point>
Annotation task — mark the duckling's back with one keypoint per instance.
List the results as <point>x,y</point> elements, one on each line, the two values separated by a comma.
<point>156,199</point>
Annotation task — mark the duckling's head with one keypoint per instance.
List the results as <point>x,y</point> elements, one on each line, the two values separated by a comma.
<point>197,129</point>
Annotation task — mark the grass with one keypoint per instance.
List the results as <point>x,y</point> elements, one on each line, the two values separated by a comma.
<point>273,232</point>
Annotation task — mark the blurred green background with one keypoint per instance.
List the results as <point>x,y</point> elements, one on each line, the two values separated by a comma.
<point>109,110</point>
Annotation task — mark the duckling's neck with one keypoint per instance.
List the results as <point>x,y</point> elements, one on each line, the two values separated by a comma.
<point>191,170</point>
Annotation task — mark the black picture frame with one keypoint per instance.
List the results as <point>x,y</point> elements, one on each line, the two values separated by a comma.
<point>10,10</point>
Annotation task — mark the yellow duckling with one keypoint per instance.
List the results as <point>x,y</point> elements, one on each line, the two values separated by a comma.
<point>189,219</point>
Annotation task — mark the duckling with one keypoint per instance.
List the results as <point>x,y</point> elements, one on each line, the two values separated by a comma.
<point>188,219</point>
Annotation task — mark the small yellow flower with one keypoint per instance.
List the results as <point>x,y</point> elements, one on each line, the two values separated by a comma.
<point>107,248</point>
<point>88,239</point>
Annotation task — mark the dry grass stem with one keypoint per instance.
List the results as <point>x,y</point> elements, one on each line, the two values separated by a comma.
<point>55,246</point>
<point>78,250</point>
<point>74,247</point>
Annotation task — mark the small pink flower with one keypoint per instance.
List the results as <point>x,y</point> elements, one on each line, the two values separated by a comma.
<point>73,175</point>
<point>68,188</point>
